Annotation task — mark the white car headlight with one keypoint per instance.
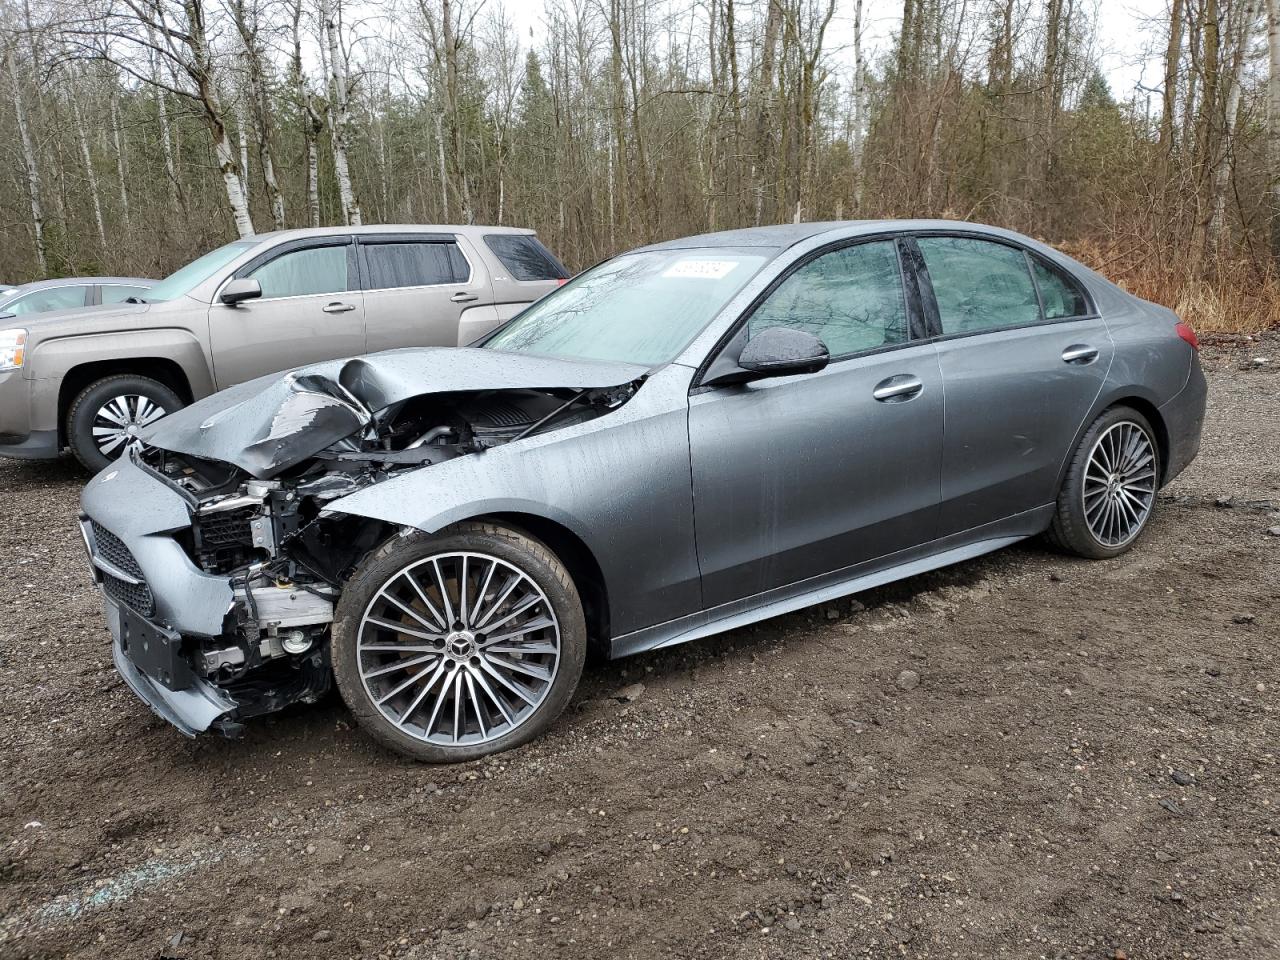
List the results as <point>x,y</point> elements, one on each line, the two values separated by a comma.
<point>13,344</point>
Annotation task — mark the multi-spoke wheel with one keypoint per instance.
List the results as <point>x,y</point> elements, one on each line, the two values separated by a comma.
<point>108,414</point>
<point>1110,488</point>
<point>459,645</point>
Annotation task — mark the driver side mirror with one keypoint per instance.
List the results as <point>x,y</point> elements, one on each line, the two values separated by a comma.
<point>775,352</point>
<point>239,290</point>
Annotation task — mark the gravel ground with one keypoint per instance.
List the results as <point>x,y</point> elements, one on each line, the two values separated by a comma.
<point>1021,756</point>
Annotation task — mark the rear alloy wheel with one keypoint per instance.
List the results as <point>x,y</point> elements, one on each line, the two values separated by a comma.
<point>457,646</point>
<point>1110,488</point>
<point>107,415</point>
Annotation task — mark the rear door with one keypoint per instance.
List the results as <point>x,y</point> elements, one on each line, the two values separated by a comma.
<point>1023,357</point>
<point>422,290</point>
<point>311,309</point>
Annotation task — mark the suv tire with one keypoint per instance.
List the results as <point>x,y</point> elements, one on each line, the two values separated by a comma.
<point>121,403</point>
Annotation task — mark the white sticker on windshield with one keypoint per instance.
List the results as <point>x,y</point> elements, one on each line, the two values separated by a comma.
<point>704,269</point>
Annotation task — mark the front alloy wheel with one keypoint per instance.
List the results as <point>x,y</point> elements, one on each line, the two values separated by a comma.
<point>457,646</point>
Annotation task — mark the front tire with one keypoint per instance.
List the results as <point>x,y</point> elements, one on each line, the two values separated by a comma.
<point>453,646</point>
<point>1110,489</point>
<point>106,415</point>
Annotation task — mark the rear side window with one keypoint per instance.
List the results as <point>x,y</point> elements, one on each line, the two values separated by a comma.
<point>301,273</point>
<point>979,285</point>
<point>1061,295</point>
<point>119,293</point>
<point>850,299</point>
<point>525,257</point>
<point>414,264</point>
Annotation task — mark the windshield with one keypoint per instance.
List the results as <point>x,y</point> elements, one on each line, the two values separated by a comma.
<point>183,280</point>
<point>640,308</point>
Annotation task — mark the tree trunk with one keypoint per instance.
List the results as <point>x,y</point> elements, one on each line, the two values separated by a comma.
<point>95,197</point>
<point>340,116</point>
<point>122,170</point>
<point>1172,57</point>
<point>1273,124</point>
<point>33,172</point>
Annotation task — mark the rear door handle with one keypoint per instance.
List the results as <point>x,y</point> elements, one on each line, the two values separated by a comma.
<point>898,389</point>
<point>1080,353</point>
<point>464,297</point>
<point>339,307</point>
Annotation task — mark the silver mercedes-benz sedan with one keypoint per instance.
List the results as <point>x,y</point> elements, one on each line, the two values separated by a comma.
<point>684,439</point>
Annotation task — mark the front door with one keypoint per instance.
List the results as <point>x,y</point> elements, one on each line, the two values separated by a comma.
<point>1023,358</point>
<point>311,309</point>
<point>802,475</point>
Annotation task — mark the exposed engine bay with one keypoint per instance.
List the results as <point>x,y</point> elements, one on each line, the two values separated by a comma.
<point>286,560</point>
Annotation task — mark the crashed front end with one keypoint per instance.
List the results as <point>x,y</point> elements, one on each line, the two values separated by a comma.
<point>218,557</point>
<point>212,624</point>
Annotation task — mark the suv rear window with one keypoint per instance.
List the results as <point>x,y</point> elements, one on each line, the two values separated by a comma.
<point>411,264</point>
<point>525,257</point>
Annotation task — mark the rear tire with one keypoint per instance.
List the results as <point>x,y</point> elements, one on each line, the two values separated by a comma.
<point>102,414</point>
<point>1109,492</point>
<point>443,672</point>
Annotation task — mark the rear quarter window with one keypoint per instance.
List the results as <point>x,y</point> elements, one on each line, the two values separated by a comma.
<point>525,257</point>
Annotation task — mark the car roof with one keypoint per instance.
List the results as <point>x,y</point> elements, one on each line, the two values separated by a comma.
<point>778,237</point>
<point>467,230</point>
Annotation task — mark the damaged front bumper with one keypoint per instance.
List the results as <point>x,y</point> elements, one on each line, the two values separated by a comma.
<point>203,650</point>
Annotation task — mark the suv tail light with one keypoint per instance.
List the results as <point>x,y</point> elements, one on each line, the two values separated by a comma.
<point>1187,334</point>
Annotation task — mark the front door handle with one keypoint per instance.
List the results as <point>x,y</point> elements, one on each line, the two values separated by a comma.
<point>1080,353</point>
<point>339,307</point>
<point>898,389</point>
<point>464,297</point>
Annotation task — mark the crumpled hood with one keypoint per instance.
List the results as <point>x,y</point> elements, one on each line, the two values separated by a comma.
<point>268,425</point>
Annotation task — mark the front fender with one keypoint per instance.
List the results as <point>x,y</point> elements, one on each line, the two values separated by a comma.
<point>55,357</point>
<point>620,483</point>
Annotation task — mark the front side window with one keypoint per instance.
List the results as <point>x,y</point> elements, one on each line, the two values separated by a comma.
<point>301,273</point>
<point>42,301</point>
<point>851,299</point>
<point>1061,295</point>
<point>413,264</point>
<point>641,308</point>
<point>979,285</point>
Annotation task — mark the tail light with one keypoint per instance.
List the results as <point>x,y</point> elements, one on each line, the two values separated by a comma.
<point>1187,334</point>
<point>561,281</point>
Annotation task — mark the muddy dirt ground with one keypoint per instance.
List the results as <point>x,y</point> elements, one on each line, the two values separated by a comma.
<point>1086,768</point>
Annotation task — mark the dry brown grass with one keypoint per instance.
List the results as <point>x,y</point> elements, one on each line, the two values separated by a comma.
<point>1230,296</point>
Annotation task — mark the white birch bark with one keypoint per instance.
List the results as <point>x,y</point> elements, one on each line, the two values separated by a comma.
<point>226,157</point>
<point>340,115</point>
<point>166,137</point>
<point>243,140</point>
<point>91,177</point>
<point>33,173</point>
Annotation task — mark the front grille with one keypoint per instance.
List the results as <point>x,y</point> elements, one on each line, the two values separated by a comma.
<point>136,596</point>
<point>228,528</point>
